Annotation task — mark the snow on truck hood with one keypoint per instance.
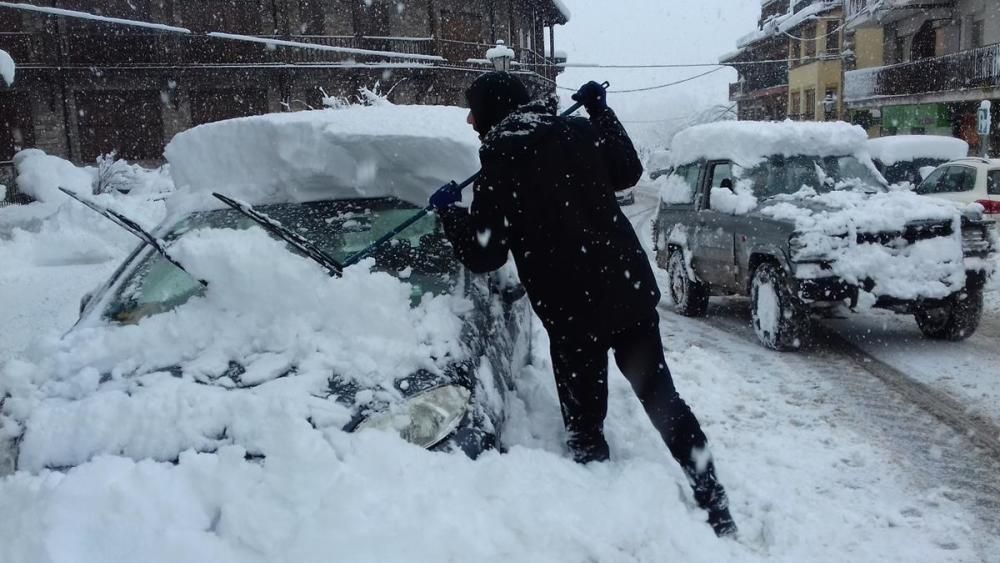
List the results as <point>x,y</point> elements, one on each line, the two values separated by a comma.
<point>355,152</point>
<point>749,142</point>
<point>106,389</point>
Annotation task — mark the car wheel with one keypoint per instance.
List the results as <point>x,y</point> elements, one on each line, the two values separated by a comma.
<point>781,321</point>
<point>957,319</point>
<point>690,297</point>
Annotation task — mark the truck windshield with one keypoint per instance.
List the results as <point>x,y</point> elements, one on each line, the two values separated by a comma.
<point>787,175</point>
<point>340,228</point>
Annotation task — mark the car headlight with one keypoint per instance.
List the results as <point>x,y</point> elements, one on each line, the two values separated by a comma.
<point>425,418</point>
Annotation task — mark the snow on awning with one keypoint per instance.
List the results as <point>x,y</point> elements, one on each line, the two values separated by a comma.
<point>356,152</point>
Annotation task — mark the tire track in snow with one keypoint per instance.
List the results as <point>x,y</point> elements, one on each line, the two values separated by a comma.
<point>927,433</point>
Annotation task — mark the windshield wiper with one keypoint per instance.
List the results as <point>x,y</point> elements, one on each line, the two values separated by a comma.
<point>132,227</point>
<point>299,242</point>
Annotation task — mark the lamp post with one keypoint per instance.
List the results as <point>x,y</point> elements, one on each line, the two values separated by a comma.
<point>830,104</point>
<point>501,56</point>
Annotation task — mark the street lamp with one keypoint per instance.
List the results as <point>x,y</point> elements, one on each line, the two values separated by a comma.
<point>830,103</point>
<point>500,56</point>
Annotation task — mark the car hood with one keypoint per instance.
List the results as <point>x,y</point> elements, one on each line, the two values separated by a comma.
<point>841,212</point>
<point>299,340</point>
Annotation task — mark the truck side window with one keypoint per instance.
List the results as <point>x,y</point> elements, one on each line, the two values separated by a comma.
<point>722,175</point>
<point>993,182</point>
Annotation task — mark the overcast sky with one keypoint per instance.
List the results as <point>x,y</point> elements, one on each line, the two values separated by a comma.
<point>655,32</point>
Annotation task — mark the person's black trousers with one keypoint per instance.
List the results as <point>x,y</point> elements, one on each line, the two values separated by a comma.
<point>581,372</point>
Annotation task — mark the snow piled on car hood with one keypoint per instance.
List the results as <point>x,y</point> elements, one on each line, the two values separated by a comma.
<point>748,142</point>
<point>890,150</point>
<point>104,389</point>
<point>828,227</point>
<point>354,152</point>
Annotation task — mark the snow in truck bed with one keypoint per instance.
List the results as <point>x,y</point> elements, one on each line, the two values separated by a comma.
<point>354,152</point>
<point>749,142</point>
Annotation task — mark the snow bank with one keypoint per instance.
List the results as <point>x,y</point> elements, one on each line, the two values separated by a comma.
<point>829,226</point>
<point>102,389</point>
<point>891,150</point>
<point>359,151</point>
<point>41,175</point>
<point>7,67</point>
<point>749,142</point>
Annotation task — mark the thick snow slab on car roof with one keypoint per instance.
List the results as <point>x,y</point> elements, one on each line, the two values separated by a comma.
<point>891,150</point>
<point>356,152</point>
<point>749,142</point>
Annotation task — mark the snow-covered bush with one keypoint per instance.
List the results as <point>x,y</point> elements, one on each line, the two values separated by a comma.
<point>113,174</point>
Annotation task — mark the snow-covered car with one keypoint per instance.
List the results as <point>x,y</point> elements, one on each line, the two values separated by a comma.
<point>795,216</point>
<point>966,181</point>
<point>911,158</point>
<point>227,336</point>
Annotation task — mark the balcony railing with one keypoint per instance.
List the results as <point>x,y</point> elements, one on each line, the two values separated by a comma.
<point>778,76</point>
<point>976,68</point>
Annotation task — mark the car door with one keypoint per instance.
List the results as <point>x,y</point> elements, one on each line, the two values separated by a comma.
<point>954,182</point>
<point>677,218</point>
<point>992,202</point>
<point>715,233</point>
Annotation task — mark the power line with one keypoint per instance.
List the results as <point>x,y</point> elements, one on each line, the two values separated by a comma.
<point>657,87</point>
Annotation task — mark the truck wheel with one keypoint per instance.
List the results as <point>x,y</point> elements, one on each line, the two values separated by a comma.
<point>957,319</point>
<point>690,297</point>
<point>780,320</point>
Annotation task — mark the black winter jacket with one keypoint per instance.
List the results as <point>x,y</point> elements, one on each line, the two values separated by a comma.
<point>546,194</point>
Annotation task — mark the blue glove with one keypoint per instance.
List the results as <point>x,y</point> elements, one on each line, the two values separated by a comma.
<point>593,97</point>
<point>446,196</point>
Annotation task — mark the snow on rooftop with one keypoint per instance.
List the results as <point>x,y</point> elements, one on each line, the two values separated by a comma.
<point>355,152</point>
<point>891,150</point>
<point>748,142</point>
<point>783,23</point>
<point>7,67</point>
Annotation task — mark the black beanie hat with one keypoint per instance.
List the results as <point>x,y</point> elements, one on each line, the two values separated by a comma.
<point>492,97</point>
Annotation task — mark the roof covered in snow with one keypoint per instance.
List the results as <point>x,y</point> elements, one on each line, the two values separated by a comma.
<point>891,150</point>
<point>748,142</point>
<point>785,23</point>
<point>356,152</point>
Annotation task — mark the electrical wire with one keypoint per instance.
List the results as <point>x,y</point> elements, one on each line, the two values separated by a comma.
<point>657,87</point>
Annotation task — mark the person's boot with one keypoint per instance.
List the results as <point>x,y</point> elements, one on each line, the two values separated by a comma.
<point>588,446</point>
<point>711,497</point>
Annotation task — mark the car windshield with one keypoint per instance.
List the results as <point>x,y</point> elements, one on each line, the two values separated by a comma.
<point>787,175</point>
<point>420,254</point>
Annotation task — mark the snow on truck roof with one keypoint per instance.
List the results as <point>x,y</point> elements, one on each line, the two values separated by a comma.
<point>749,142</point>
<point>891,150</point>
<point>355,152</point>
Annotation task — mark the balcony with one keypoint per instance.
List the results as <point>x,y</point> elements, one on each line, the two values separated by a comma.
<point>973,69</point>
<point>763,84</point>
<point>861,12</point>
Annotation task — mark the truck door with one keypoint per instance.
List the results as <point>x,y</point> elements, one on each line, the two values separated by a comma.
<point>715,233</point>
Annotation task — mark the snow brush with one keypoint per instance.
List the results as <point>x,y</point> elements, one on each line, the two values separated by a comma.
<point>362,254</point>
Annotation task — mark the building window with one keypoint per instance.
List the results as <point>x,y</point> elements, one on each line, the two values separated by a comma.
<point>833,37</point>
<point>216,105</point>
<point>978,37</point>
<point>809,111</point>
<point>16,129</point>
<point>809,41</point>
<point>795,106</point>
<point>228,16</point>
<point>312,20</point>
<point>128,122</point>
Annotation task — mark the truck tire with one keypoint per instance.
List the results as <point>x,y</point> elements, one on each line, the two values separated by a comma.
<point>957,320</point>
<point>780,320</point>
<point>690,297</point>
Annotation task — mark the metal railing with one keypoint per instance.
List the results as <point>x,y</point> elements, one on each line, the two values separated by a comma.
<point>975,68</point>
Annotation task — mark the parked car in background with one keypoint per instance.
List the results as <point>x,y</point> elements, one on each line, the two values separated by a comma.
<point>966,181</point>
<point>795,216</point>
<point>911,158</point>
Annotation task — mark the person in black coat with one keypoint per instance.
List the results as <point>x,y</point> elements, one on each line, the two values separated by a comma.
<point>546,194</point>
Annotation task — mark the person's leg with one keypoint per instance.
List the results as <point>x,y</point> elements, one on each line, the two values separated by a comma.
<point>581,372</point>
<point>639,355</point>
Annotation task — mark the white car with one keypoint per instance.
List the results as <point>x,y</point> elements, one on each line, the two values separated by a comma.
<point>966,180</point>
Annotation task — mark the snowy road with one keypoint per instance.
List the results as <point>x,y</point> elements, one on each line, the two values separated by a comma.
<point>930,407</point>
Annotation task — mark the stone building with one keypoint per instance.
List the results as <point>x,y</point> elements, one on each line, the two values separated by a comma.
<point>86,87</point>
